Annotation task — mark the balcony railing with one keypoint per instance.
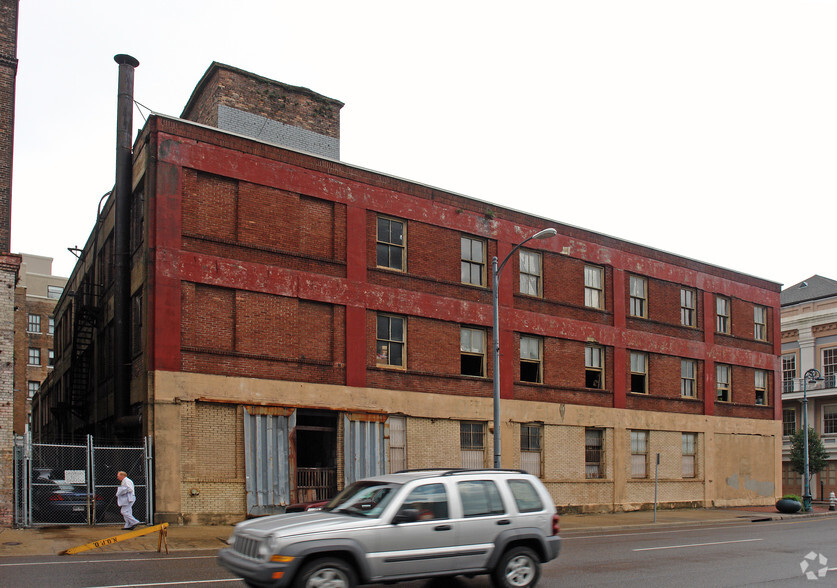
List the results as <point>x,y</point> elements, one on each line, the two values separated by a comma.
<point>795,384</point>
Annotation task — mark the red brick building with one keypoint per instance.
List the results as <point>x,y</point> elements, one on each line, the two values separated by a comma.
<point>298,322</point>
<point>9,263</point>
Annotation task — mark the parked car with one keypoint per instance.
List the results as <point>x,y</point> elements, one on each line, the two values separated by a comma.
<point>404,526</point>
<point>58,501</point>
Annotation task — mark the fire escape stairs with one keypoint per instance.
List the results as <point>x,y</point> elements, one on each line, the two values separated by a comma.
<point>86,319</point>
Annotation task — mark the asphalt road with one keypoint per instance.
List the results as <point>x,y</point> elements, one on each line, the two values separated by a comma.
<point>769,553</point>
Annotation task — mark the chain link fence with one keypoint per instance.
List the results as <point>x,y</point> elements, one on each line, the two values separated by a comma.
<point>57,484</point>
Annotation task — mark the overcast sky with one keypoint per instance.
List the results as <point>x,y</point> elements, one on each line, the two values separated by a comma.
<point>706,128</point>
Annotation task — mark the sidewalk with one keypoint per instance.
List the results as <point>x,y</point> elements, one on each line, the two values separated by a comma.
<point>55,540</point>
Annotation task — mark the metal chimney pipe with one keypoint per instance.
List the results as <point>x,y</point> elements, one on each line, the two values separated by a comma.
<point>121,239</point>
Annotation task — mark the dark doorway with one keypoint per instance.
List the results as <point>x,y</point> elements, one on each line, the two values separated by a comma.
<point>316,455</point>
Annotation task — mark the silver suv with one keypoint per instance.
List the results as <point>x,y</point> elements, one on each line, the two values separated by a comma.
<point>403,526</point>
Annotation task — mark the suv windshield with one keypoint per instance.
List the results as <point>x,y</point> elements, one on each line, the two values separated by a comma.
<point>365,498</point>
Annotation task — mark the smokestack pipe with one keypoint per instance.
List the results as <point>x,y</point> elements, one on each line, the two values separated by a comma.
<point>121,238</point>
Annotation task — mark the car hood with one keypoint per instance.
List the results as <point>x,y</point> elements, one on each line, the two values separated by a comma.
<point>301,523</point>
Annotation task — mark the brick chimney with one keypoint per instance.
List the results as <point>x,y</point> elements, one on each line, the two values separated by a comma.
<point>238,101</point>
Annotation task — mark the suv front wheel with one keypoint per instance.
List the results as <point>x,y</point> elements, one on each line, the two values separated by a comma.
<point>518,568</point>
<point>326,571</point>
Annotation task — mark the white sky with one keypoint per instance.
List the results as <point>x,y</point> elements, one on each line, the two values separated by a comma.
<point>704,128</point>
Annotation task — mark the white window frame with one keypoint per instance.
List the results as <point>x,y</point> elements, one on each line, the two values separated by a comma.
<point>594,286</point>
<point>638,294</point>
<point>723,386</point>
<point>639,366</point>
<point>467,347</point>
<point>788,372</point>
<point>828,357</point>
<point>760,380</point>
<point>688,378</point>
<point>688,307</point>
<point>722,314</point>
<point>593,355</point>
<point>639,454</point>
<point>54,292</point>
<point>528,345</point>
<point>531,273</point>
<point>760,323</point>
<point>688,462</point>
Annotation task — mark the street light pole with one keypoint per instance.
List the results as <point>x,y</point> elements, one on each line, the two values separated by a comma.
<point>812,375</point>
<point>496,271</point>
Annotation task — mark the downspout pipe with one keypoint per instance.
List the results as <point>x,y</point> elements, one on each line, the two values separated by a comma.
<point>121,240</point>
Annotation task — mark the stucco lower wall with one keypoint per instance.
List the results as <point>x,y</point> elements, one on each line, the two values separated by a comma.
<point>197,424</point>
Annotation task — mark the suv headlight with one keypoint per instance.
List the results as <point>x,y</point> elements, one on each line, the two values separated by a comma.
<point>272,544</point>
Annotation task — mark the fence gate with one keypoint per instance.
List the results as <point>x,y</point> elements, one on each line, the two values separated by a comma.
<point>64,484</point>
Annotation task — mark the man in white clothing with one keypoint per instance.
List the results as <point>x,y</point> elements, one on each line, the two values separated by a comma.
<point>125,498</point>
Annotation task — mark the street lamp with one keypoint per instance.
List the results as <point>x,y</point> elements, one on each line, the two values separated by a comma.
<point>812,375</point>
<point>544,234</point>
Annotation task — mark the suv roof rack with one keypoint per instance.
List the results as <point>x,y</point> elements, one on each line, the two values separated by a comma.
<point>455,471</point>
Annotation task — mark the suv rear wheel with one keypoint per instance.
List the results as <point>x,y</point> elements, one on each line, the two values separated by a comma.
<point>518,568</point>
<point>326,571</point>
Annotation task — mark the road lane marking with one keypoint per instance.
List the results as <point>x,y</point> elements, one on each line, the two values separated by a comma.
<point>696,545</point>
<point>93,561</point>
<point>186,582</point>
<point>568,535</point>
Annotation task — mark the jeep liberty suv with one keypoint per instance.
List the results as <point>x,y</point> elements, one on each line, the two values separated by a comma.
<point>404,526</point>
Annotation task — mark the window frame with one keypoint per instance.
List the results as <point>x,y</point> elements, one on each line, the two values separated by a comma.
<point>689,452</point>
<point>33,323</point>
<point>829,425</point>
<point>472,455</point>
<point>722,320</point>
<point>391,245</point>
<point>788,384</point>
<point>589,368</point>
<point>386,363</point>
<point>30,384</point>
<point>688,314</point>
<point>593,293</point>
<point>644,373</point>
<point>471,262</point>
<point>760,327</point>
<point>538,362</point>
<point>594,464</point>
<point>828,363</point>
<point>786,422</point>
<point>639,437</point>
<point>34,352</point>
<point>51,325</point>
<point>538,277</point>
<point>639,299</point>
<point>723,387</point>
<point>54,292</point>
<point>528,447</point>
<point>686,381</point>
<point>761,387</point>
<point>470,353</point>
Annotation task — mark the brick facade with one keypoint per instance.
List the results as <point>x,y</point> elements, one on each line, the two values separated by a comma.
<point>261,287</point>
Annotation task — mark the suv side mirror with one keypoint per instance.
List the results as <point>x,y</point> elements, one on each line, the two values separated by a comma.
<point>406,515</point>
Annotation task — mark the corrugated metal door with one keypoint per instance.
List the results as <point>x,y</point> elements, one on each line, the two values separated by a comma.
<point>364,448</point>
<point>266,457</point>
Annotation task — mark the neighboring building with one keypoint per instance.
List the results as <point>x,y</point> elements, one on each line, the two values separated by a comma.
<point>36,294</point>
<point>809,340</point>
<point>297,322</point>
<point>9,263</point>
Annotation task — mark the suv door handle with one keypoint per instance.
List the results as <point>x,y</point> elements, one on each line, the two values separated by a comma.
<point>442,528</point>
<point>504,522</point>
